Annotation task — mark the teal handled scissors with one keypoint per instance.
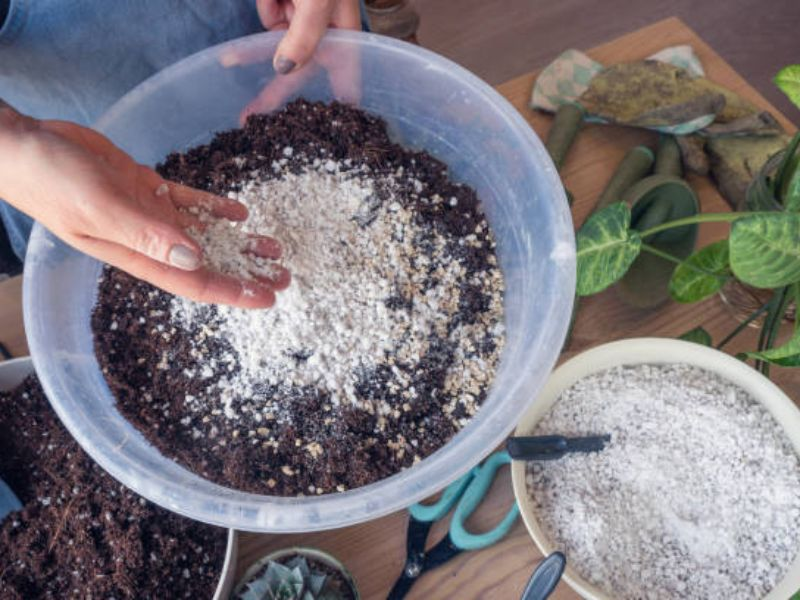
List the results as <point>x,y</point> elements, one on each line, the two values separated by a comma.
<point>465,494</point>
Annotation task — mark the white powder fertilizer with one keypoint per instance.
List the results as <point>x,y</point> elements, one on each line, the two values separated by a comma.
<point>348,252</point>
<point>697,496</point>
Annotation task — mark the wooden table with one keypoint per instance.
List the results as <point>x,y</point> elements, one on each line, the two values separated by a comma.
<point>375,551</point>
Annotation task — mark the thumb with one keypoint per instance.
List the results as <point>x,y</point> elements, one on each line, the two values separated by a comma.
<point>308,25</point>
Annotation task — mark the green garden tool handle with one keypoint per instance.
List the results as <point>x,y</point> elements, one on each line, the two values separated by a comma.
<point>634,166</point>
<point>472,497</point>
<point>668,157</point>
<point>451,494</point>
<point>563,132</point>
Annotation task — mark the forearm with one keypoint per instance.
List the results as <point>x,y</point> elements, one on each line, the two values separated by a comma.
<point>15,130</point>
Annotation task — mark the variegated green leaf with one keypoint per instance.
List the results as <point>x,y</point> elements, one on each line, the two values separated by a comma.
<point>765,249</point>
<point>788,79</point>
<point>606,249</point>
<point>787,355</point>
<point>702,274</point>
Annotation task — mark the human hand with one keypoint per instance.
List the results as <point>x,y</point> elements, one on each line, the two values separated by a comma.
<point>306,22</point>
<point>99,200</point>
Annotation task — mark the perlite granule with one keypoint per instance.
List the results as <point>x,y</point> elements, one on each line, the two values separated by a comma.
<point>697,496</point>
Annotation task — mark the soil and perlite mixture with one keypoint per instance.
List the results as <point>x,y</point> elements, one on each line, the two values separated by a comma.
<point>697,496</point>
<point>381,349</point>
<point>81,534</point>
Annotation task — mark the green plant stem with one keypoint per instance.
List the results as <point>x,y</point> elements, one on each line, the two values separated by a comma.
<point>701,218</point>
<point>775,324</point>
<point>665,255</point>
<point>674,259</point>
<point>743,325</point>
<point>769,330</point>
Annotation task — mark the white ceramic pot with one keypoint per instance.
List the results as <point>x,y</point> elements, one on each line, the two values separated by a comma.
<point>651,351</point>
<point>13,372</point>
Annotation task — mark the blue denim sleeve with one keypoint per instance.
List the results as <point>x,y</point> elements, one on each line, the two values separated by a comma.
<point>72,59</point>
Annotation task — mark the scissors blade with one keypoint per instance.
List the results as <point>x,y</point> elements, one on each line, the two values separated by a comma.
<point>401,587</point>
<point>416,537</point>
<point>440,554</point>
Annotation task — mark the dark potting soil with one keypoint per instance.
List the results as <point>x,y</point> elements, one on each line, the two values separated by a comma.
<point>81,534</point>
<point>321,448</point>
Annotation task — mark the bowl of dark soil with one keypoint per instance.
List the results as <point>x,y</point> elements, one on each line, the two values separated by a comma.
<point>697,493</point>
<point>80,533</point>
<point>433,263</point>
<point>297,574</point>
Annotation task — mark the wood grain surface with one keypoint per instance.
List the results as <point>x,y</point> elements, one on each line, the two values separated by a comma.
<point>375,551</point>
<point>502,39</point>
<point>12,333</point>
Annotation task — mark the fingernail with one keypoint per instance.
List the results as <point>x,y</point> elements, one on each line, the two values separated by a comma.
<point>183,257</point>
<point>284,65</point>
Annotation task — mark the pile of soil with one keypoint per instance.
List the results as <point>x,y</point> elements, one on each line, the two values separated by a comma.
<point>81,534</point>
<point>324,446</point>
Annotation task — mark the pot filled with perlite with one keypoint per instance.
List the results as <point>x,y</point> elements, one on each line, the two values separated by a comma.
<point>695,495</point>
<point>432,265</point>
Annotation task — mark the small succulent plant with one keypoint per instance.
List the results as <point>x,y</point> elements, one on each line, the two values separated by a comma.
<point>291,580</point>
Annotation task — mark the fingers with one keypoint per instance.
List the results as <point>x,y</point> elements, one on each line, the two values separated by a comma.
<point>343,65</point>
<point>151,233</point>
<point>277,278</point>
<point>201,285</point>
<point>265,247</point>
<point>277,92</point>
<point>271,13</point>
<point>306,28</point>
<point>185,197</point>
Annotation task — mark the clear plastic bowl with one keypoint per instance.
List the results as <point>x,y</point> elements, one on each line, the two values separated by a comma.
<point>428,102</point>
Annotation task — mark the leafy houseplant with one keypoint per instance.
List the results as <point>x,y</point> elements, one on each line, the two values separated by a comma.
<point>762,250</point>
<point>297,574</point>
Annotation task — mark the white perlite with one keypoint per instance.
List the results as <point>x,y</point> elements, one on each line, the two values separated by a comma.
<point>696,496</point>
<point>348,253</point>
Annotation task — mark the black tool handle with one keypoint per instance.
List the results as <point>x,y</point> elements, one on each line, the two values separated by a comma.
<point>545,578</point>
<point>541,447</point>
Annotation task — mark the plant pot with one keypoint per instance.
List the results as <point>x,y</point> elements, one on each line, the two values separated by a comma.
<point>650,351</point>
<point>13,373</point>
<point>312,555</point>
<point>743,300</point>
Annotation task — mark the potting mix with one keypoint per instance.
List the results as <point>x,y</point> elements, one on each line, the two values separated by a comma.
<point>383,346</point>
<point>80,533</point>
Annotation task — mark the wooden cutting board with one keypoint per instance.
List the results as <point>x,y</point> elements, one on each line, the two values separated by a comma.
<point>375,551</point>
